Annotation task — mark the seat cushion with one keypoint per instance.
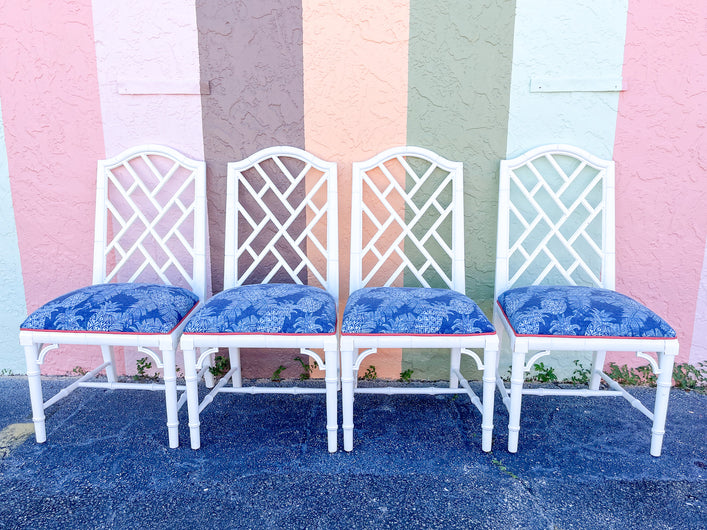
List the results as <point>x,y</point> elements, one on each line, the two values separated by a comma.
<point>267,308</point>
<point>576,310</point>
<point>115,307</point>
<point>412,311</point>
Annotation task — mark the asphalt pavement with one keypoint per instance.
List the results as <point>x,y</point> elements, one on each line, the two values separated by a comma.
<point>417,463</point>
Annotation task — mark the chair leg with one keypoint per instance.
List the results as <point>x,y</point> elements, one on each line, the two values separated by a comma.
<point>108,356</point>
<point>489,392</point>
<point>332,380</point>
<point>170,391</point>
<point>234,355</point>
<point>662,395</point>
<point>35,392</point>
<point>517,379</point>
<point>597,366</point>
<point>190,377</point>
<point>454,367</point>
<point>347,397</point>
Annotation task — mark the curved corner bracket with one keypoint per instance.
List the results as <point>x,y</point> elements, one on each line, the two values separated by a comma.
<point>152,354</point>
<point>362,356</point>
<point>43,350</point>
<point>651,360</point>
<point>315,356</point>
<point>204,355</point>
<point>474,356</point>
<point>534,358</point>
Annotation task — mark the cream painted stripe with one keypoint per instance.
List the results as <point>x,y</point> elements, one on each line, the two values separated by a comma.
<point>355,97</point>
<point>13,436</point>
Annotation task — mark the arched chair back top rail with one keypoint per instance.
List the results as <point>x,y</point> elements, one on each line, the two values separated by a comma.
<point>281,276</point>
<point>555,279</point>
<point>149,275</point>
<point>407,275</point>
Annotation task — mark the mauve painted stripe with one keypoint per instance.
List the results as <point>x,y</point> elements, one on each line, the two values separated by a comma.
<point>251,57</point>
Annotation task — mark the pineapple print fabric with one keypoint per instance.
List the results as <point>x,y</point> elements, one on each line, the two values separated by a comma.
<point>267,308</point>
<point>577,310</point>
<point>115,308</point>
<point>413,311</point>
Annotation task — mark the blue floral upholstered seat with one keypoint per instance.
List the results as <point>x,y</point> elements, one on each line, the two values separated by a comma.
<point>267,308</point>
<point>115,308</point>
<point>413,311</point>
<point>573,310</point>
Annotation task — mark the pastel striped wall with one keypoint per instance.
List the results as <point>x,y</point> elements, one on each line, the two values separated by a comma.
<point>82,79</point>
<point>53,137</point>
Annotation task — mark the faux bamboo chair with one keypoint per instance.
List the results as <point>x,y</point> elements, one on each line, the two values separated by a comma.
<point>555,280</point>
<point>281,226</point>
<point>150,227</point>
<point>407,276</point>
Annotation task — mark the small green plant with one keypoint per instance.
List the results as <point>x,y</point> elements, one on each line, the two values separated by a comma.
<point>647,376</point>
<point>624,375</point>
<point>580,376</point>
<point>406,375</point>
<point>77,370</point>
<point>370,374</point>
<point>222,365</point>
<point>306,369</point>
<point>277,374</point>
<point>503,469</point>
<point>6,371</point>
<point>544,374</point>
<point>688,377</point>
<point>142,365</point>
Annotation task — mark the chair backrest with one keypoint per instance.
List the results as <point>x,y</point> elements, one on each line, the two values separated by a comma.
<point>555,219</point>
<point>151,219</point>
<point>407,221</point>
<point>282,220</point>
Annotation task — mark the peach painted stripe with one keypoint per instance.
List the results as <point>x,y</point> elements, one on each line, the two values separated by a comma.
<point>355,97</point>
<point>660,212</point>
<point>54,136</point>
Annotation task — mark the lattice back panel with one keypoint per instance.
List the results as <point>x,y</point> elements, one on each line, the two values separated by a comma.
<point>153,201</point>
<point>407,217</point>
<point>557,208</point>
<point>282,221</point>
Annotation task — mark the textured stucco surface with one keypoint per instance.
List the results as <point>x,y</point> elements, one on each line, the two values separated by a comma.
<point>53,136</point>
<point>575,43</point>
<point>558,40</point>
<point>459,81</point>
<point>147,61</point>
<point>148,47</point>
<point>355,80</point>
<point>251,56</point>
<point>11,284</point>
<point>661,162</point>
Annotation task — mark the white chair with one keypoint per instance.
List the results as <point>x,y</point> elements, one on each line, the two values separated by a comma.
<point>281,226</point>
<point>555,280</point>
<point>150,227</point>
<point>407,276</point>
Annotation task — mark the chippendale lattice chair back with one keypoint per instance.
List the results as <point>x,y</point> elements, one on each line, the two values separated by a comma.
<point>555,279</point>
<point>149,274</point>
<point>407,275</point>
<point>281,276</point>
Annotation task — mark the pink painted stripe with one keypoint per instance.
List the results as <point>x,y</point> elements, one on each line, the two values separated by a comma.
<point>661,220</point>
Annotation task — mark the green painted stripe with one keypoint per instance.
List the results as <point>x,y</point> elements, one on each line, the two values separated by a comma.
<point>460,61</point>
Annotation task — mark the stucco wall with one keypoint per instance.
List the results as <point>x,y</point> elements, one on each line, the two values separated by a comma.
<point>11,284</point>
<point>53,136</point>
